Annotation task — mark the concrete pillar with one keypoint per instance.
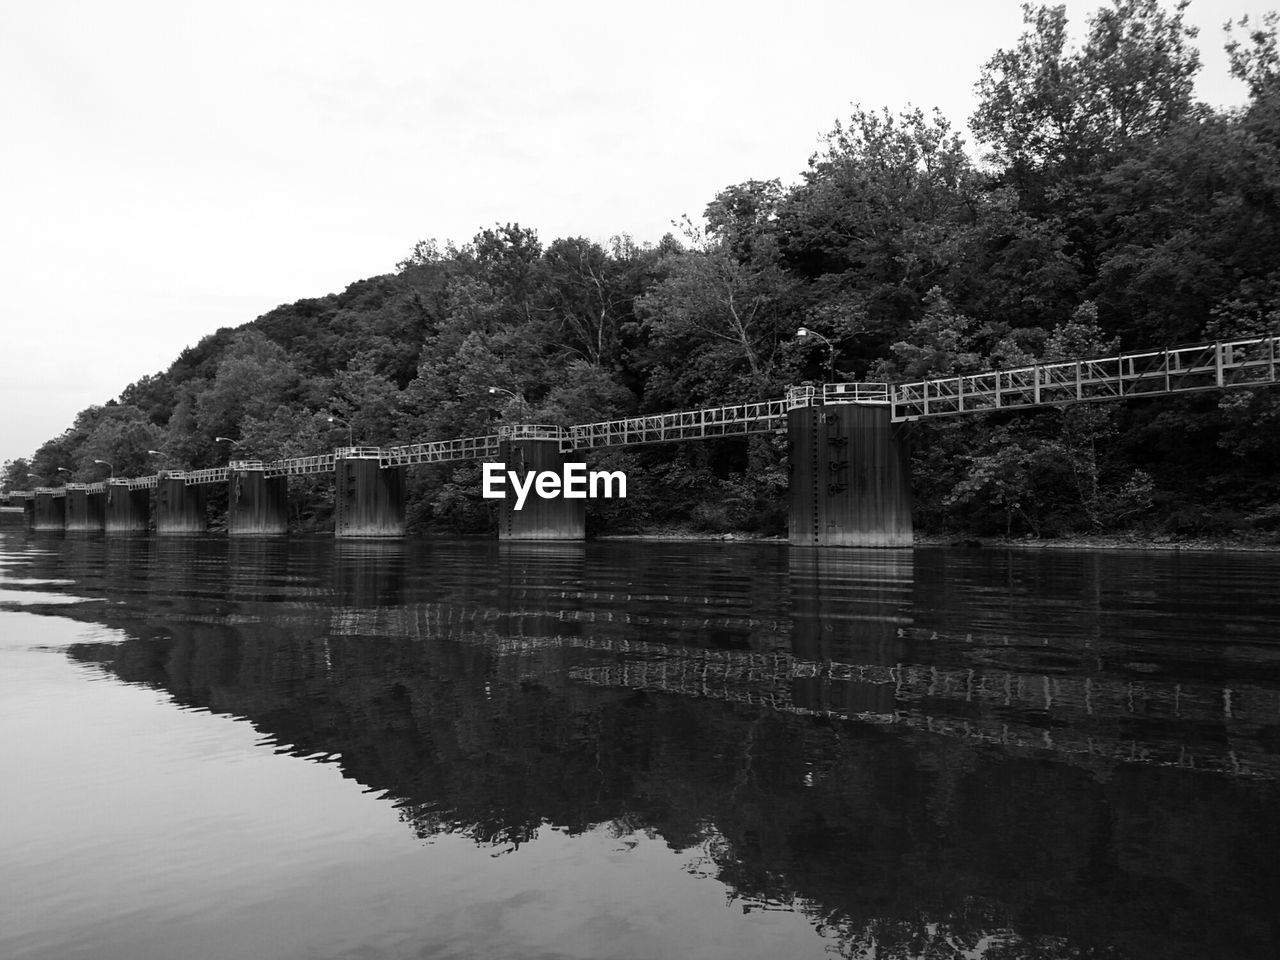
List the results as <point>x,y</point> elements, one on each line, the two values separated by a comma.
<point>542,518</point>
<point>127,511</point>
<point>49,512</point>
<point>849,478</point>
<point>179,508</point>
<point>29,512</point>
<point>86,508</point>
<point>368,500</point>
<point>257,504</point>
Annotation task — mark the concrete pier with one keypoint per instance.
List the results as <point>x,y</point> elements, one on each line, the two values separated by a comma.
<point>257,505</point>
<point>849,478</point>
<point>127,511</point>
<point>541,518</point>
<point>49,512</point>
<point>368,500</point>
<point>179,508</point>
<point>86,508</point>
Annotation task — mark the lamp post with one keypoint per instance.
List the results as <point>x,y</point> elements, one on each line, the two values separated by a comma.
<point>110,468</point>
<point>350,441</point>
<point>831,360</point>
<point>517,397</point>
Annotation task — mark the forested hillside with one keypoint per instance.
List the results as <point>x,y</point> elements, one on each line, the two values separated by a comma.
<point>1101,208</point>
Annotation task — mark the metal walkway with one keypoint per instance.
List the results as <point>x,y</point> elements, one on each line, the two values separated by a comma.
<point>1212,366</point>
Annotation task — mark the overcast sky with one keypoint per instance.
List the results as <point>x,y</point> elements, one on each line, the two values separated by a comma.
<point>169,168</point>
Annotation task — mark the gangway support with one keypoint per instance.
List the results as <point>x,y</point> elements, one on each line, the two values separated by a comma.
<point>49,512</point>
<point>541,518</point>
<point>257,504</point>
<point>180,508</point>
<point>86,508</point>
<point>369,499</point>
<point>128,509</point>
<point>849,478</point>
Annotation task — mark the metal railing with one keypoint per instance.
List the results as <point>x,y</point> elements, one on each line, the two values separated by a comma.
<point>873,393</point>
<point>531,431</point>
<point>736,420</point>
<point>210,475</point>
<point>306,466</point>
<point>1213,366</point>
<point>440,451</point>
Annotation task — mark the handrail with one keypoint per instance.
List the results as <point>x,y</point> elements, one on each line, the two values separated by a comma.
<point>1212,366</point>
<point>440,451</point>
<point>1248,362</point>
<point>735,420</point>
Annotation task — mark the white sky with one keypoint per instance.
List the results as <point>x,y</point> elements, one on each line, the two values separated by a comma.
<point>170,168</point>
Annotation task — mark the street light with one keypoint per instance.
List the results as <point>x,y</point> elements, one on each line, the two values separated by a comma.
<point>517,397</point>
<point>350,441</point>
<point>65,470</point>
<point>831,362</point>
<point>108,465</point>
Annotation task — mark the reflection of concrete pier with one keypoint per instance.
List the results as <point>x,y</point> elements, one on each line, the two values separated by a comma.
<point>1074,716</point>
<point>849,605</point>
<point>369,573</point>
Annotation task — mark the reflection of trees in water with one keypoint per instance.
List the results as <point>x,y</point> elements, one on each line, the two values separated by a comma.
<point>883,836</point>
<point>744,731</point>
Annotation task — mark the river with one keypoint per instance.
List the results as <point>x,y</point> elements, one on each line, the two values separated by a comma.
<point>303,748</point>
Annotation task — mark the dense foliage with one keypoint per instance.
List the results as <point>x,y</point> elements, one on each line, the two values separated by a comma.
<point>1106,208</point>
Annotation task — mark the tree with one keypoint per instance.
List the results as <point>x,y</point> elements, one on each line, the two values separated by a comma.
<point>13,476</point>
<point>718,320</point>
<point>253,378</point>
<point>1257,64</point>
<point>586,299</point>
<point>1046,109</point>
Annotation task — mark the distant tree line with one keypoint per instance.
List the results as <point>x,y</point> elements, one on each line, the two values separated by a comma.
<point>1106,209</point>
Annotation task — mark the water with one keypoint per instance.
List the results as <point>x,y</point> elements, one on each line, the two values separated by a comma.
<point>301,749</point>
